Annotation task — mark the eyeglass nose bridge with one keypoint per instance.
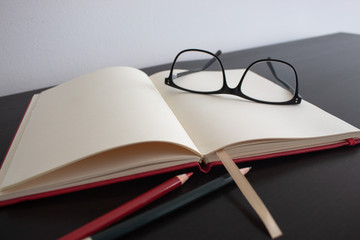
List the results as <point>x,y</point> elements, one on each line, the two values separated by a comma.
<point>229,90</point>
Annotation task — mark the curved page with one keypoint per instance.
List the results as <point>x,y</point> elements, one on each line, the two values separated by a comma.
<point>104,166</point>
<point>94,113</point>
<point>217,121</point>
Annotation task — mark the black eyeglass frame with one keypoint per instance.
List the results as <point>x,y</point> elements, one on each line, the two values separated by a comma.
<point>296,99</point>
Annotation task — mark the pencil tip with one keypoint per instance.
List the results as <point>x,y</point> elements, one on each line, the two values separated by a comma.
<point>245,170</point>
<point>184,177</point>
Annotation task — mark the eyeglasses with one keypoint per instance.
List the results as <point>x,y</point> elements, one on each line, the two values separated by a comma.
<point>269,80</point>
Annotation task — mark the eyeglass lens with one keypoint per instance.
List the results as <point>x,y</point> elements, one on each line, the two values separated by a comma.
<point>191,72</point>
<point>269,81</point>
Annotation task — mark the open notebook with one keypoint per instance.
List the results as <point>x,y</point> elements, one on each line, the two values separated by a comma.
<point>118,124</point>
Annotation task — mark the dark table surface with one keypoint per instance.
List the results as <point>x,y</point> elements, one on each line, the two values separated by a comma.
<point>311,196</point>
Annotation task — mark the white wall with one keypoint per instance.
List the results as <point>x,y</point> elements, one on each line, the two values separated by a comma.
<point>43,43</point>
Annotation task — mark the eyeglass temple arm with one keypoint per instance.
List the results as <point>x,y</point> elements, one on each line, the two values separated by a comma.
<point>208,64</point>
<point>284,84</point>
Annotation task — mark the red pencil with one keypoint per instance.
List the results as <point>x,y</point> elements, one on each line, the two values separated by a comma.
<point>127,208</point>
